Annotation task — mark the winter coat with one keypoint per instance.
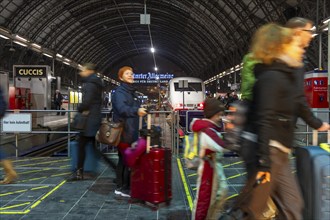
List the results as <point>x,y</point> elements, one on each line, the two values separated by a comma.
<point>211,183</point>
<point>275,107</point>
<point>92,102</point>
<point>3,104</point>
<point>125,105</point>
<point>58,100</point>
<point>248,78</point>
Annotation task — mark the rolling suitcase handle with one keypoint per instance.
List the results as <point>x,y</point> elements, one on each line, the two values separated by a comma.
<point>148,128</point>
<point>324,146</point>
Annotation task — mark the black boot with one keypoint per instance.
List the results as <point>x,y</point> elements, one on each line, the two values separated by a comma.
<point>78,175</point>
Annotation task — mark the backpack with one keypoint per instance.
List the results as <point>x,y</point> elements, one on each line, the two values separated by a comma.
<point>191,150</point>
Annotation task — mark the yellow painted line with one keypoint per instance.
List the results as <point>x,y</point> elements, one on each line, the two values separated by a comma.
<point>237,175</point>
<point>23,190</point>
<point>14,206</point>
<point>193,174</point>
<point>14,192</point>
<point>65,166</point>
<point>40,187</point>
<point>34,171</point>
<point>47,162</point>
<point>27,180</point>
<point>27,203</point>
<point>61,174</point>
<point>228,165</point>
<point>232,196</point>
<point>185,185</point>
<point>15,212</point>
<point>30,159</point>
<point>48,194</point>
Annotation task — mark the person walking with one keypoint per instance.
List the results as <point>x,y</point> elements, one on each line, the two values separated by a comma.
<point>91,103</point>
<point>10,173</point>
<point>126,109</point>
<point>273,120</point>
<point>58,100</point>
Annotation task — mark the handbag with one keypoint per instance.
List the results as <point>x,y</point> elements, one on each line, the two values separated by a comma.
<point>80,120</point>
<point>109,132</point>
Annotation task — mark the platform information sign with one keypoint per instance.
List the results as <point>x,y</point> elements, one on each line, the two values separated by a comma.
<point>14,122</point>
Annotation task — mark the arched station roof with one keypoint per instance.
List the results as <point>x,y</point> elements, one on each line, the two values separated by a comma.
<point>200,37</point>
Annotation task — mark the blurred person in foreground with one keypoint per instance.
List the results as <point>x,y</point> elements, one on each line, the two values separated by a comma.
<point>10,173</point>
<point>126,109</point>
<point>302,28</point>
<point>211,183</point>
<point>92,102</point>
<point>272,116</point>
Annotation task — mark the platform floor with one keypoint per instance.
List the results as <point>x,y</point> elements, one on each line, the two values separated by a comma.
<point>43,191</point>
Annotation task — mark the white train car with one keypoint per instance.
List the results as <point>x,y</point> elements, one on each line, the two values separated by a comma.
<point>186,93</point>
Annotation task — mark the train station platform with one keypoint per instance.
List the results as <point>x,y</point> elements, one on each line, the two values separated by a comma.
<point>43,191</point>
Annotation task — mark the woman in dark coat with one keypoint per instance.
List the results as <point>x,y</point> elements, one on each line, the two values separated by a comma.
<point>92,102</point>
<point>126,108</point>
<point>273,112</point>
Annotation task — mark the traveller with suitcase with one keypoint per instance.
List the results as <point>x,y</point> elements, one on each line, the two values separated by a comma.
<point>313,171</point>
<point>126,109</point>
<point>211,183</point>
<point>273,111</point>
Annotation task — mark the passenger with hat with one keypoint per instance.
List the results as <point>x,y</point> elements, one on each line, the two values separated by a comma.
<point>211,183</point>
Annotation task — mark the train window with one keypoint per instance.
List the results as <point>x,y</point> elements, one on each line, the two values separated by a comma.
<point>192,86</point>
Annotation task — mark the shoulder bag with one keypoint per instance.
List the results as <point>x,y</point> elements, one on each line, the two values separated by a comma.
<point>109,132</point>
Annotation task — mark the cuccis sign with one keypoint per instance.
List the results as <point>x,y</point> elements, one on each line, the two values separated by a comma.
<point>30,71</point>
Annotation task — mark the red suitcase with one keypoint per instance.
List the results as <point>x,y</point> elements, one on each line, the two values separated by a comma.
<point>151,175</point>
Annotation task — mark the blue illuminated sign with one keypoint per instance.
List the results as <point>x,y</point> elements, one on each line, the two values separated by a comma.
<point>152,77</point>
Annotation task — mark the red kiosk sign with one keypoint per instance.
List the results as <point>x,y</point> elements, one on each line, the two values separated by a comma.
<point>316,88</point>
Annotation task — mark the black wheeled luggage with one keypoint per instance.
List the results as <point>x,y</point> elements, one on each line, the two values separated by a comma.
<point>313,171</point>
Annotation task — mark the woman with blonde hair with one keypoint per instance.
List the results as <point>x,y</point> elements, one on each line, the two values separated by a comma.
<point>272,118</point>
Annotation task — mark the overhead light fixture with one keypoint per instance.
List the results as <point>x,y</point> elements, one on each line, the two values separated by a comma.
<point>326,21</point>
<point>47,55</point>
<point>67,60</point>
<point>156,68</point>
<point>59,55</point>
<point>66,63</point>
<point>19,43</point>
<point>4,30</point>
<point>20,38</point>
<point>36,45</point>
<point>152,50</point>
<point>4,37</point>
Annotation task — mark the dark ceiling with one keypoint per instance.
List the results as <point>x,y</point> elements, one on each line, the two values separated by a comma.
<point>192,38</point>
